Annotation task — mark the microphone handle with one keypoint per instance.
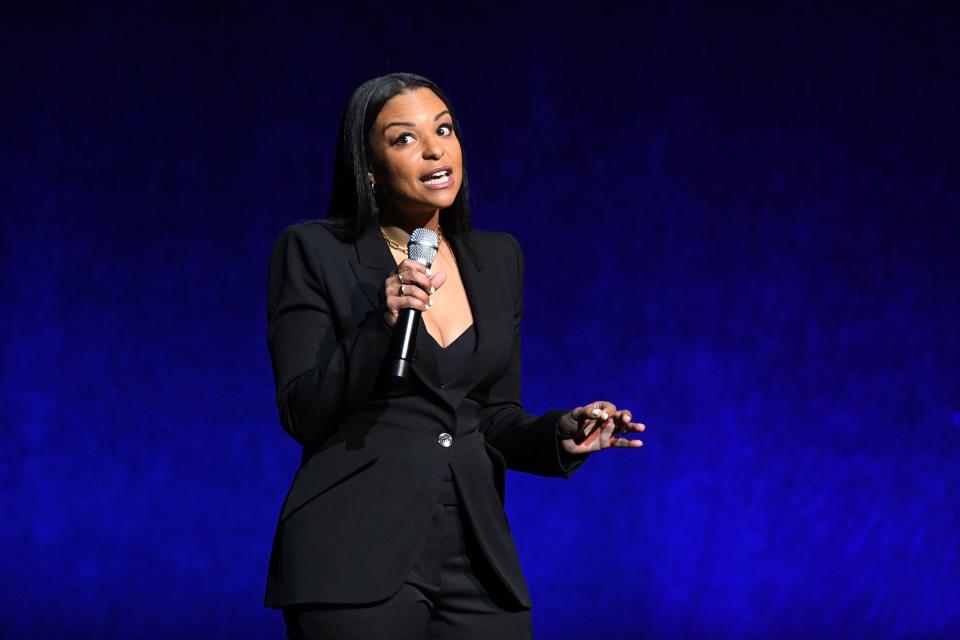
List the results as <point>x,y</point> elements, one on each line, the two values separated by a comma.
<point>402,344</point>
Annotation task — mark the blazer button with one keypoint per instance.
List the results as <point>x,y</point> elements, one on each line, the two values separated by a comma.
<point>445,440</point>
<point>443,387</point>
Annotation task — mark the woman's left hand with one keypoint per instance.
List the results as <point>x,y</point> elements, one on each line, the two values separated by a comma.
<point>598,426</point>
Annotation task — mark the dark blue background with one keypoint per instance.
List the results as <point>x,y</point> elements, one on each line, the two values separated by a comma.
<point>739,221</point>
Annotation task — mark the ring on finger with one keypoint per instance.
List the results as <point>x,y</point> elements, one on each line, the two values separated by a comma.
<point>402,287</point>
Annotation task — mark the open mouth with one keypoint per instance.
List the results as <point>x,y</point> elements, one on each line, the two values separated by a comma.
<point>440,176</point>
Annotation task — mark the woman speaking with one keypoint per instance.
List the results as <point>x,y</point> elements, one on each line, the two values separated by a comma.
<point>394,526</point>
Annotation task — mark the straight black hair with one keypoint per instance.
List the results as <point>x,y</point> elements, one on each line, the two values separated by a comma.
<point>353,207</point>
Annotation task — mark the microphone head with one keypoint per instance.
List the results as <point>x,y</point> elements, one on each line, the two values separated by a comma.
<point>423,246</point>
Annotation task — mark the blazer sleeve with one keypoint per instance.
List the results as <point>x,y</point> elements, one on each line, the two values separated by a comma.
<point>320,376</point>
<point>527,442</point>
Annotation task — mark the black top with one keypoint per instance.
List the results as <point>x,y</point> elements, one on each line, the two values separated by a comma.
<point>455,354</point>
<point>449,360</point>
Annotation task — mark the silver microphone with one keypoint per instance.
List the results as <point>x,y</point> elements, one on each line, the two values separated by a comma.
<point>422,248</point>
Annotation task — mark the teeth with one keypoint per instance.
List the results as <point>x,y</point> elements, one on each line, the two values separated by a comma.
<point>439,176</point>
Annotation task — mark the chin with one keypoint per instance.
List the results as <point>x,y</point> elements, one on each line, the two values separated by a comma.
<point>447,203</point>
<point>441,203</point>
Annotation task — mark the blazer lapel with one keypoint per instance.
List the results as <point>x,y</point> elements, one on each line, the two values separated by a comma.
<point>373,265</point>
<point>486,305</point>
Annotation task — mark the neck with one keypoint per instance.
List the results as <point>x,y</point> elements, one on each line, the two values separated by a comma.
<point>401,226</point>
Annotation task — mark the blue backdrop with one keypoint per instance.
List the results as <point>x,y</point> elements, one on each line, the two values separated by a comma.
<point>740,221</point>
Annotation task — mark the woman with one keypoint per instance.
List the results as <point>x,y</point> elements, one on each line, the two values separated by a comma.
<point>394,525</point>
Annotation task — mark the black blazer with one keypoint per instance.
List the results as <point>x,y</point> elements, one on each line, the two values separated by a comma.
<point>354,517</point>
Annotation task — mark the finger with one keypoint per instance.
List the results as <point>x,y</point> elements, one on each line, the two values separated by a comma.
<point>407,268</point>
<point>414,301</point>
<point>409,302</point>
<point>415,292</point>
<point>580,414</point>
<point>409,284</point>
<point>607,407</point>
<point>625,443</point>
<point>633,427</point>
<point>624,424</point>
<point>415,278</point>
<point>391,318</point>
<point>437,280</point>
<point>595,410</point>
<point>606,434</point>
<point>406,297</point>
<point>411,265</point>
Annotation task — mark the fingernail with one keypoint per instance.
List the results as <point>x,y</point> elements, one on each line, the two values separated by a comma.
<point>604,415</point>
<point>428,306</point>
<point>595,413</point>
<point>432,290</point>
<point>429,272</point>
<point>642,427</point>
<point>431,298</point>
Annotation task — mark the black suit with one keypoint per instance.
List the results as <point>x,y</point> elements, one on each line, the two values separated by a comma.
<point>359,504</point>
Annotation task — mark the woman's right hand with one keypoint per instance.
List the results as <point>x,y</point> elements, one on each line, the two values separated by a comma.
<point>410,286</point>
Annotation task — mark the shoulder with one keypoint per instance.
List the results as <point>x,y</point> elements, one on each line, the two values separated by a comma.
<point>312,232</point>
<point>499,253</point>
<point>305,251</point>
<point>497,244</point>
<point>311,240</point>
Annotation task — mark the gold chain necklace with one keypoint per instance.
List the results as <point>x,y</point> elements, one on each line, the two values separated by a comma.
<point>393,244</point>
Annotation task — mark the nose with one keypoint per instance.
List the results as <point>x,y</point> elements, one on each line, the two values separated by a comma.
<point>432,149</point>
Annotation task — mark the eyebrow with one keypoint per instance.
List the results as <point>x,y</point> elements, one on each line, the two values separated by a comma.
<point>445,112</point>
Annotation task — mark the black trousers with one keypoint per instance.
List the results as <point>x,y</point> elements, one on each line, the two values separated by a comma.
<point>451,594</point>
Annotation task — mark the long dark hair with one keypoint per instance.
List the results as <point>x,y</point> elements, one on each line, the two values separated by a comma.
<point>353,207</point>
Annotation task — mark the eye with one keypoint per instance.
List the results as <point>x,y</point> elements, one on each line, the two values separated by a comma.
<point>445,130</point>
<point>403,138</point>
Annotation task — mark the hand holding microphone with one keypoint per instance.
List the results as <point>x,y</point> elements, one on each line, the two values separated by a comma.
<point>408,292</point>
<point>410,287</point>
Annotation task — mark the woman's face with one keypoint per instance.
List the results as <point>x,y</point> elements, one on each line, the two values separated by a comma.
<point>415,155</point>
